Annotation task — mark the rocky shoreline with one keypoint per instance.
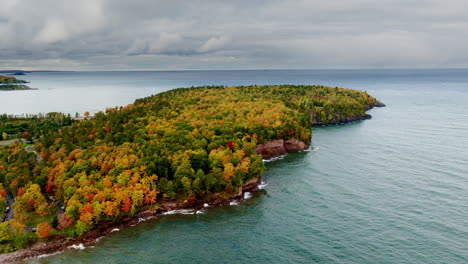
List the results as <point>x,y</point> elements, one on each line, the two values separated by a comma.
<point>59,243</point>
<point>275,148</point>
<point>316,121</point>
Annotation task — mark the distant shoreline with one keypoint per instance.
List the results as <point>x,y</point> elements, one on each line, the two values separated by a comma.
<point>15,87</point>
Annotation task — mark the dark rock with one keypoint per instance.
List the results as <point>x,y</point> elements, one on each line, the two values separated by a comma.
<point>168,206</point>
<point>251,185</point>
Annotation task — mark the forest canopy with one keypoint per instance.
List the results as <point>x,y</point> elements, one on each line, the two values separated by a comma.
<point>187,144</point>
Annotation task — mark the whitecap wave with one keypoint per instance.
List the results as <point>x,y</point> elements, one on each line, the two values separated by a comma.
<point>247,195</point>
<point>234,202</point>
<point>200,212</point>
<point>145,219</point>
<point>115,230</point>
<point>98,239</point>
<point>206,205</point>
<point>48,255</point>
<point>277,158</point>
<point>79,246</point>
<point>180,211</point>
<point>262,185</point>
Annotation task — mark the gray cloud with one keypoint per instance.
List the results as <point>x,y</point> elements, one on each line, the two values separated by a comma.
<point>138,34</point>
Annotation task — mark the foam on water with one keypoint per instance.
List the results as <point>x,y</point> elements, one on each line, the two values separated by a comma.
<point>262,185</point>
<point>234,202</point>
<point>247,195</point>
<point>180,211</point>
<point>80,246</point>
<point>48,255</point>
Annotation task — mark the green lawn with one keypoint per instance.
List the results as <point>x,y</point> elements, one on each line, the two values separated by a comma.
<point>34,219</point>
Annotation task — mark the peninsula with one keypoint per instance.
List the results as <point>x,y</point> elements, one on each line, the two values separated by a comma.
<point>181,149</point>
<point>8,83</point>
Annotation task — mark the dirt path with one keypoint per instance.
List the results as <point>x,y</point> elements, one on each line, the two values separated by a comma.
<point>7,142</point>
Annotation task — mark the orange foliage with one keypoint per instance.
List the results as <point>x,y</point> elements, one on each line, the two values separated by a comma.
<point>127,205</point>
<point>86,213</point>
<point>21,191</point>
<point>43,230</point>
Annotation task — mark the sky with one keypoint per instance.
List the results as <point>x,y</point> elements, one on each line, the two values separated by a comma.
<point>234,34</point>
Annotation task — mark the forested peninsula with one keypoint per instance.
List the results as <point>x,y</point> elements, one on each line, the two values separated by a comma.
<point>8,83</point>
<point>183,148</point>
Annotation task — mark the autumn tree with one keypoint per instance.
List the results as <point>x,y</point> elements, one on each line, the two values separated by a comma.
<point>43,230</point>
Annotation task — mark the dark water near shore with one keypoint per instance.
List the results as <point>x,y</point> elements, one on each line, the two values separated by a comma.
<point>393,189</point>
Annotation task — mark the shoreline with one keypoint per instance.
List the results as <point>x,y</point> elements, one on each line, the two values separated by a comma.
<point>60,243</point>
<point>315,121</point>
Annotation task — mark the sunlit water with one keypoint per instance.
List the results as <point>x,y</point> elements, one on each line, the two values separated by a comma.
<point>393,189</point>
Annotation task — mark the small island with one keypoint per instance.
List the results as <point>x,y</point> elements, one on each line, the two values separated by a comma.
<point>8,83</point>
<point>181,149</point>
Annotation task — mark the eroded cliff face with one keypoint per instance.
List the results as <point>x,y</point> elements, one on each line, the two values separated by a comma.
<point>279,147</point>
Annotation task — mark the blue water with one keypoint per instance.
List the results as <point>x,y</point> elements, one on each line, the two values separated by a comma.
<point>393,189</point>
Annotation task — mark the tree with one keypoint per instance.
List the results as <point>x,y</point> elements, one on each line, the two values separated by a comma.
<point>5,233</point>
<point>187,186</point>
<point>43,230</point>
<point>64,221</point>
<point>86,213</point>
<point>127,205</point>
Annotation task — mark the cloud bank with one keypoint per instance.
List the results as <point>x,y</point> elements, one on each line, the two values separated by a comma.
<point>287,34</point>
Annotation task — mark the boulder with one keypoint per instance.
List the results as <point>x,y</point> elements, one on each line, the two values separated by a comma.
<point>294,145</point>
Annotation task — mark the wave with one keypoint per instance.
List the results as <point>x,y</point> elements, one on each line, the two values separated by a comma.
<point>48,255</point>
<point>206,205</point>
<point>262,185</point>
<point>115,230</point>
<point>79,246</point>
<point>247,195</point>
<point>180,211</point>
<point>200,212</point>
<point>277,158</point>
<point>234,202</point>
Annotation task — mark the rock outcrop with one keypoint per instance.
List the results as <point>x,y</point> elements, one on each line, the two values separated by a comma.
<point>251,185</point>
<point>271,149</point>
<point>279,147</point>
<point>339,118</point>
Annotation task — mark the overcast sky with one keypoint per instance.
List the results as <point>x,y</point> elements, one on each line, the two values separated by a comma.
<point>234,34</point>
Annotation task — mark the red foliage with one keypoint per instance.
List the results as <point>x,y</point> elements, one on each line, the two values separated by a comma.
<point>30,202</point>
<point>127,205</point>
<point>230,145</point>
<point>49,186</point>
<point>90,196</point>
<point>3,192</point>
<point>21,191</point>
<point>64,221</point>
<point>25,135</point>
